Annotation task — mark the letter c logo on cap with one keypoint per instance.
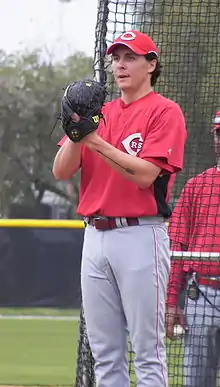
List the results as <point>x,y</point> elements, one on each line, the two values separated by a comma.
<point>128,36</point>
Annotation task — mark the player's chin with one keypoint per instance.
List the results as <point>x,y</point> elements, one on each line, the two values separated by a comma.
<point>124,83</point>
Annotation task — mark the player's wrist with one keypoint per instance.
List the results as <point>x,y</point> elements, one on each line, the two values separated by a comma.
<point>72,144</point>
<point>93,141</point>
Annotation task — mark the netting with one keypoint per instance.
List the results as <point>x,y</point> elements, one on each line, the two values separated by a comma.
<point>188,36</point>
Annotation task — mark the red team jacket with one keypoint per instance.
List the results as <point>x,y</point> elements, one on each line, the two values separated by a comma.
<point>152,128</point>
<point>195,226</point>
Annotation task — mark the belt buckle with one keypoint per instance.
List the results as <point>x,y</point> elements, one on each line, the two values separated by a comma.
<point>100,223</point>
<point>96,218</point>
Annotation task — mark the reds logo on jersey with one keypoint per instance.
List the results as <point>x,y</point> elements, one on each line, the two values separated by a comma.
<point>133,144</point>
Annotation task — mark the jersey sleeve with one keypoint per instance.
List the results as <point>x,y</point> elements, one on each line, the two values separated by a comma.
<point>165,139</point>
<point>61,142</point>
<point>179,227</point>
<point>178,230</point>
<point>161,163</point>
<point>176,282</point>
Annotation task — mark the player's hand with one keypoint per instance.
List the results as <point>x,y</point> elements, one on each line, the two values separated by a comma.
<point>75,117</point>
<point>174,316</point>
<point>91,140</point>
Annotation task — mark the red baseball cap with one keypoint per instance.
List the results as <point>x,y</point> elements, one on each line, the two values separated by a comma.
<point>216,121</point>
<point>137,41</point>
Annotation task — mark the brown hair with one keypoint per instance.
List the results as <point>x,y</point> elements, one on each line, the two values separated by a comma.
<point>157,71</point>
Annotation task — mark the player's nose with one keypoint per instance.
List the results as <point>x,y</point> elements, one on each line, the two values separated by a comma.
<point>121,64</point>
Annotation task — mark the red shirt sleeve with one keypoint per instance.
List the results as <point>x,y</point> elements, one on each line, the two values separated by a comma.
<point>179,227</point>
<point>179,234</point>
<point>161,163</point>
<point>61,142</point>
<point>176,281</point>
<point>166,138</point>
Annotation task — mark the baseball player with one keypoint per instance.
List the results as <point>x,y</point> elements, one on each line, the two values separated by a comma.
<point>195,227</point>
<point>127,169</point>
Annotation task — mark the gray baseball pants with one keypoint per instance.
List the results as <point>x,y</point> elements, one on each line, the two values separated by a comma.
<point>124,280</point>
<point>202,342</point>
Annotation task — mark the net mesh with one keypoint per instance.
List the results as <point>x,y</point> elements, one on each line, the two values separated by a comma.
<point>188,36</point>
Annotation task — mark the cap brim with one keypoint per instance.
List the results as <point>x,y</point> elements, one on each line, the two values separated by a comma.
<point>132,48</point>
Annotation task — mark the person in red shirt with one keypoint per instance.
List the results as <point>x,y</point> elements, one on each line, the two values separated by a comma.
<point>195,227</point>
<point>127,170</point>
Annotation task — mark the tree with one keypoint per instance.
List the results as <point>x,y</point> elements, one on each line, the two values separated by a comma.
<point>31,89</point>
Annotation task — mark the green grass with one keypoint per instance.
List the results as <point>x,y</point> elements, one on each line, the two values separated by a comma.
<point>43,352</point>
<point>39,311</point>
<point>37,352</point>
<point>175,362</point>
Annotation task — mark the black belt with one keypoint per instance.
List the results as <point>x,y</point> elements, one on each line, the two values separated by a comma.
<point>103,224</point>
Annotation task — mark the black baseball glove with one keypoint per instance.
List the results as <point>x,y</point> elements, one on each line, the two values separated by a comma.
<point>81,108</point>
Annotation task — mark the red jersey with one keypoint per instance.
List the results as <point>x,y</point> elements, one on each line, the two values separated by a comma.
<point>195,226</point>
<point>152,128</point>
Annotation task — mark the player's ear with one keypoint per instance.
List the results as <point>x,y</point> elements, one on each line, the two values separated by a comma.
<point>152,61</point>
<point>152,66</point>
